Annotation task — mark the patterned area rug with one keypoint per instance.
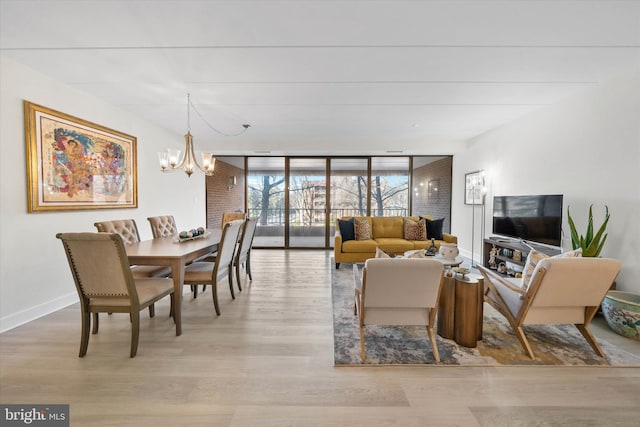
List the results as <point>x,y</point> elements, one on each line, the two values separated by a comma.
<point>391,345</point>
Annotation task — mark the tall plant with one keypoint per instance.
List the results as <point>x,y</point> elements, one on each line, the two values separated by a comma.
<point>591,244</point>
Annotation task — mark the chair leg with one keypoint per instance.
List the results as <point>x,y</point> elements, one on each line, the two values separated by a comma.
<point>247,265</point>
<point>214,294</point>
<point>363,353</point>
<point>152,310</point>
<point>586,333</point>
<point>432,337</point>
<point>135,332</point>
<point>84,336</point>
<point>96,323</point>
<point>524,342</point>
<point>230,278</point>
<point>238,276</point>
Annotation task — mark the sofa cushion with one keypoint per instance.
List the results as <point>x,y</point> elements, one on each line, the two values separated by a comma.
<point>362,229</point>
<point>434,228</point>
<point>396,245</point>
<point>387,226</point>
<point>359,246</point>
<point>347,229</point>
<point>415,230</point>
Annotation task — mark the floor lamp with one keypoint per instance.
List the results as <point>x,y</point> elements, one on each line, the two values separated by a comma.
<point>478,191</point>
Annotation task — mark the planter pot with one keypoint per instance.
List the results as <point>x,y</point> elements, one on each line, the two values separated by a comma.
<point>622,312</point>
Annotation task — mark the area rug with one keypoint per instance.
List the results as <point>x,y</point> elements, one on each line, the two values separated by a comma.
<point>561,345</point>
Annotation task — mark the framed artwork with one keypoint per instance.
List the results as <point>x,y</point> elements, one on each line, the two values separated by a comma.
<point>73,164</point>
<point>474,188</point>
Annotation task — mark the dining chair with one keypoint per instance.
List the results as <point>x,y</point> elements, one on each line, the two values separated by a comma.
<point>127,229</point>
<point>232,216</point>
<point>398,291</point>
<point>243,253</point>
<point>211,273</point>
<point>105,283</point>
<point>163,226</point>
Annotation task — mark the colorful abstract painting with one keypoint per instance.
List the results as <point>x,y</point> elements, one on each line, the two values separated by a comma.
<point>74,164</point>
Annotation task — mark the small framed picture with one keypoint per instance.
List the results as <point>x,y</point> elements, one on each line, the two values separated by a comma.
<point>474,188</point>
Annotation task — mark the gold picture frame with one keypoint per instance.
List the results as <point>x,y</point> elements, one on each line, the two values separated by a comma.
<point>73,164</point>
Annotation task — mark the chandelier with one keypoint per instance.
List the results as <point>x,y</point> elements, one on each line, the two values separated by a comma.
<point>170,159</point>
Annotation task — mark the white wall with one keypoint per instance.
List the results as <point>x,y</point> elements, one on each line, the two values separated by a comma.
<point>35,277</point>
<point>587,148</point>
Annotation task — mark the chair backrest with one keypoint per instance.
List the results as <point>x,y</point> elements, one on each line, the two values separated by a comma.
<point>226,248</point>
<point>248,231</point>
<point>400,291</point>
<point>163,226</point>
<point>126,228</point>
<point>561,288</point>
<point>232,216</point>
<point>99,266</point>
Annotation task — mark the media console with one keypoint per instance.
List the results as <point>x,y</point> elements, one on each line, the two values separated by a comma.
<point>511,246</point>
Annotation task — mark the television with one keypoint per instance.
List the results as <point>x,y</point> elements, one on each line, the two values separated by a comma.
<point>535,218</point>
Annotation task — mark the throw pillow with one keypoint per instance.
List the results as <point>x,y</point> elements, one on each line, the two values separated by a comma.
<point>362,229</point>
<point>577,253</point>
<point>382,254</point>
<point>532,260</point>
<point>434,228</point>
<point>415,230</point>
<point>347,229</point>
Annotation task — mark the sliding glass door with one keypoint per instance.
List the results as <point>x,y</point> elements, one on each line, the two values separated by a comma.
<point>307,198</point>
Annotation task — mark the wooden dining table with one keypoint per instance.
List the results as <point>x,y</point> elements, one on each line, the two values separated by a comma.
<point>168,251</point>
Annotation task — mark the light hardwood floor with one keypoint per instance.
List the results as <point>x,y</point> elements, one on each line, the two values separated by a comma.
<point>268,361</point>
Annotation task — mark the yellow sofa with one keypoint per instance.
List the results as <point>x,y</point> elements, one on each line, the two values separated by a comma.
<point>387,233</point>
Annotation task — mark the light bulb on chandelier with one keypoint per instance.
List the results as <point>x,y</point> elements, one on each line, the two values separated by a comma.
<point>170,159</point>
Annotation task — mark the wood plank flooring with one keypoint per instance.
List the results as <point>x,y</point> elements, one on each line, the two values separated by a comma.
<point>268,361</point>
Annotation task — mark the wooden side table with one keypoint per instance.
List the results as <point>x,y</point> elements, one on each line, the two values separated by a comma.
<point>460,310</point>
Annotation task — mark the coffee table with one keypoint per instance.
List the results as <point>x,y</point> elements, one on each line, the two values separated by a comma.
<point>447,262</point>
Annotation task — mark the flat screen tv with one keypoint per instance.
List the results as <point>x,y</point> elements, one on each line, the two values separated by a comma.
<point>533,218</point>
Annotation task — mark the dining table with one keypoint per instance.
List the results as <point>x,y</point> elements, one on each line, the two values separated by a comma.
<point>175,253</point>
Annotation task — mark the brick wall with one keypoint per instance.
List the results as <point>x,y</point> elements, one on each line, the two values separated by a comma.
<point>219,198</point>
<point>428,201</point>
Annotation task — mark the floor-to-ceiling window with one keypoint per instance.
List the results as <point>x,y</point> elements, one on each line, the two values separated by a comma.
<point>349,189</point>
<point>266,199</point>
<point>297,199</point>
<point>390,186</point>
<point>307,202</point>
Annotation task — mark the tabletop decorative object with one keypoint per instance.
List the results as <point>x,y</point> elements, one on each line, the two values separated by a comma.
<point>194,233</point>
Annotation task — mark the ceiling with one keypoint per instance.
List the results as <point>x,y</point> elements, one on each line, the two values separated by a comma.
<point>326,77</point>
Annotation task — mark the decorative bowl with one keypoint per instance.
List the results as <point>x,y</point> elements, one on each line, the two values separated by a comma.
<point>461,270</point>
<point>622,313</point>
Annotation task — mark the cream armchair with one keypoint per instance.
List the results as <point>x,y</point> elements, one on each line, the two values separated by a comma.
<point>396,291</point>
<point>561,291</point>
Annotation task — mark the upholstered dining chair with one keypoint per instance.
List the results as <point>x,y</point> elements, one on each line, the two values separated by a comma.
<point>211,273</point>
<point>560,291</point>
<point>163,226</point>
<point>128,230</point>
<point>243,253</point>
<point>398,291</point>
<point>105,283</point>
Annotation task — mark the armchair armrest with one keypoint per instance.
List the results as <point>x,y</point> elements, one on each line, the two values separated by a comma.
<point>449,238</point>
<point>495,277</point>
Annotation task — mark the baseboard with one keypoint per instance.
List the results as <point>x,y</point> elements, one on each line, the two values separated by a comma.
<point>32,313</point>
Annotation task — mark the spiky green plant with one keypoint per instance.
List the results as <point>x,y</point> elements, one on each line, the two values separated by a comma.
<point>591,244</point>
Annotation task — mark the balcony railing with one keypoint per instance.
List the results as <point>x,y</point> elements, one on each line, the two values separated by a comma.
<point>312,217</point>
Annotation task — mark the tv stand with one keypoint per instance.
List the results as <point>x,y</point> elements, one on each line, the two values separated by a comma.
<point>514,245</point>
